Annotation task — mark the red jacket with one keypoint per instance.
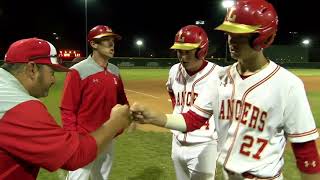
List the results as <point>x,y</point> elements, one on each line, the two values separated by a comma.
<point>30,138</point>
<point>89,94</point>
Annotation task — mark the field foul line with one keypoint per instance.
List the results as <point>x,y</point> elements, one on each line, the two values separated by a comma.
<point>142,93</point>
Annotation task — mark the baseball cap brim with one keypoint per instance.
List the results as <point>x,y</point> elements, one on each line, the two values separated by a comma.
<point>236,28</point>
<point>185,46</point>
<point>116,36</point>
<point>58,68</point>
<point>54,62</point>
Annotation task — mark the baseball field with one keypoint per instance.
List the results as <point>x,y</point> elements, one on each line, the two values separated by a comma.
<point>144,154</point>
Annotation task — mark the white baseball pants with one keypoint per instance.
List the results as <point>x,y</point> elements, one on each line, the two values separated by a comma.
<point>194,162</point>
<point>99,169</point>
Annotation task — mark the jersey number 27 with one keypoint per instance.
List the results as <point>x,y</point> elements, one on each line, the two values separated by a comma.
<point>249,141</point>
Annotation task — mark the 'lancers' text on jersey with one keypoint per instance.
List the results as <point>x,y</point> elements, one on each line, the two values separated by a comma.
<point>249,114</point>
<point>185,98</point>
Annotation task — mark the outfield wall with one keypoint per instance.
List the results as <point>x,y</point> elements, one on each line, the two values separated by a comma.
<point>134,62</point>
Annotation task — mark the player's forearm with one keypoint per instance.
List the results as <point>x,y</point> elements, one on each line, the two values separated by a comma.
<point>170,121</point>
<point>105,134</point>
<point>175,122</point>
<point>185,122</point>
<point>84,154</point>
<point>144,115</point>
<point>307,159</point>
<point>305,176</point>
<point>152,117</point>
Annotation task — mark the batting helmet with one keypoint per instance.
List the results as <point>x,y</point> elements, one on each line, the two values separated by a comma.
<point>192,37</point>
<point>101,31</point>
<point>252,16</point>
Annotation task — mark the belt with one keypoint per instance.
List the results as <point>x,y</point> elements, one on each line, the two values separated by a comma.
<point>184,143</point>
<point>248,175</point>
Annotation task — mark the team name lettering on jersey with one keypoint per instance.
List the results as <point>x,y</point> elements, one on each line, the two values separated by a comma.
<point>251,115</point>
<point>186,98</point>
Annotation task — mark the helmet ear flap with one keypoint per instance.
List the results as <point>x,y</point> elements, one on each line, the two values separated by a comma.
<point>253,42</point>
<point>202,51</point>
<point>197,53</point>
<point>259,42</point>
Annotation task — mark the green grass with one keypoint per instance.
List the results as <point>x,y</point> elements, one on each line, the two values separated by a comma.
<point>290,170</point>
<point>143,155</point>
<point>138,156</point>
<point>141,74</point>
<point>147,155</point>
<point>46,175</point>
<point>305,72</point>
<point>314,100</point>
<point>53,100</point>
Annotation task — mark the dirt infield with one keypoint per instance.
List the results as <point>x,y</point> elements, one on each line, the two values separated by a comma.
<point>152,93</point>
<point>311,83</point>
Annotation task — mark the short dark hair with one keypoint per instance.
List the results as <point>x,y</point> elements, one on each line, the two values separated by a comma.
<point>15,68</point>
<point>12,68</point>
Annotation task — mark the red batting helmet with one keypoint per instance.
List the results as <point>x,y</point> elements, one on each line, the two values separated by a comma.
<point>101,31</point>
<point>252,16</point>
<point>192,37</point>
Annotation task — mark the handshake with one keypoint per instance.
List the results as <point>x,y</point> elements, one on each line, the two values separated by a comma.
<point>136,113</point>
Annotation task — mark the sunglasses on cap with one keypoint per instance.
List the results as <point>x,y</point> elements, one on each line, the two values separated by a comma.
<point>34,58</point>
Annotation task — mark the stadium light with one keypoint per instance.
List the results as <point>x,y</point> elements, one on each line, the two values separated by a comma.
<point>55,36</point>
<point>139,44</point>
<point>86,24</point>
<point>227,3</point>
<point>306,42</point>
<point>200,22</point>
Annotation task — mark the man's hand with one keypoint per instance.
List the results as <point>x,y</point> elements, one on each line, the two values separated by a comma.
<point>144,115</point>
<point>132,127</point>
<point>121,114</point>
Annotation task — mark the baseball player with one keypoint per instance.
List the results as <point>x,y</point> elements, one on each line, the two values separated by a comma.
<point>92,88</point>
<point>261,104</point>
<point>194,153</point>
<point>30,137</point>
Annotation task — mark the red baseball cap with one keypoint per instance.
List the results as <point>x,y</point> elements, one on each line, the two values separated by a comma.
<point>34,50</point>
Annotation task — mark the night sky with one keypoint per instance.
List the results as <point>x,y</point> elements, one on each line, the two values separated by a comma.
<point>156,22</point>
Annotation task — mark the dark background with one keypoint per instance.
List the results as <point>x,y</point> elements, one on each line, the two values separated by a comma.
<point>156,22</point>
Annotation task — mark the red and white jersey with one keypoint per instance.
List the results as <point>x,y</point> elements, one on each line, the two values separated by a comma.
<point>30,138</point>
<point>257,114</point>
<point>186,89</point>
